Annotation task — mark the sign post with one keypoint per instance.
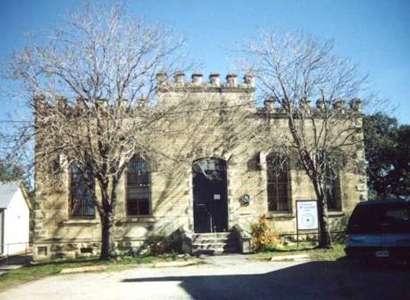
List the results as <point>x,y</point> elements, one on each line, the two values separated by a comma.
<point>306,216</point>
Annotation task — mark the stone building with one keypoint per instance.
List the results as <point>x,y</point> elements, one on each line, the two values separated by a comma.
<point>211,173</point>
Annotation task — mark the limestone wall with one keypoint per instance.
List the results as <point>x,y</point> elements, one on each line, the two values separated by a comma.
<point>190,135</point>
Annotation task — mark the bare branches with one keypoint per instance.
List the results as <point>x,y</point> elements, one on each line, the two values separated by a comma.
<point>98,55</point>
<point>293,69</point>
<point>91,83</point>
<point>296,66</point>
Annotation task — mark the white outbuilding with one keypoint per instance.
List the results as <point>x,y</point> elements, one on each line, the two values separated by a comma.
<point>14,219</point>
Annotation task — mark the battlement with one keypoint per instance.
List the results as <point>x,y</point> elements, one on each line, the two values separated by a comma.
<point>339,106</point>
<point>178,83</point>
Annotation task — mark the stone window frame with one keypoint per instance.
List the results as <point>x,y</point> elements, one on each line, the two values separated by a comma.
<point>289,195</point>
<point>339,194</point>
<point>338,162</point>
<point>71,200</point>
<point>150,170</point>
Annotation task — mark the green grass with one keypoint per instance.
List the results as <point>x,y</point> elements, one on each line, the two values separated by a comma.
<point>333,254</point>
<point>337,252</point>
<point>41,270</point>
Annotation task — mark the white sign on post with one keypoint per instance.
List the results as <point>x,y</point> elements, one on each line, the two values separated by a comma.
<point>306,215</point>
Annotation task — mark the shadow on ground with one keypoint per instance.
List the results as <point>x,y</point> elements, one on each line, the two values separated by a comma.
<point>312,280</point>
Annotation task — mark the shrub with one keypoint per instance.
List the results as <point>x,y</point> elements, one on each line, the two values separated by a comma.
<point>263,236</point>
<point>157,244</point>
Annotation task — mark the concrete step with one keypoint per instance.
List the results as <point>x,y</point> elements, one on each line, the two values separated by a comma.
<point>223,236</point>
<point>214,243</point>
<point>214,251</point>
<point>208,241</point>
<point>213,234</point>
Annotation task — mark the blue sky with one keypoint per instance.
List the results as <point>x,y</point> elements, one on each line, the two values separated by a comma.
<point>374,34</point>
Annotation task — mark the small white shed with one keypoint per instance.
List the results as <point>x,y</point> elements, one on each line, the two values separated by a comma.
<point>14,219</point>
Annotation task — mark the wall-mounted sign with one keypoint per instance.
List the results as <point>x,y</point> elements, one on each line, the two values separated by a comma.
<point>306,212</point>
<point>217,196</point>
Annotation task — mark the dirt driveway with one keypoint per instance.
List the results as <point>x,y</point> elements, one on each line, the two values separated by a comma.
<point>226,277</point>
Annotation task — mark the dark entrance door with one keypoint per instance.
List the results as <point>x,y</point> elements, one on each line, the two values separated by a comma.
<point>210,195</point>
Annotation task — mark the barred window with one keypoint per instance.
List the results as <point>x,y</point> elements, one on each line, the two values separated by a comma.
<point>278,183</point>
<point>332,190</point>
<point>81,202</point>
<point>138,187</point>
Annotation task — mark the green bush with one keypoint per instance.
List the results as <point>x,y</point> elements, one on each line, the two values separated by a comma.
<point>263,236</point>
<point>157,244</point>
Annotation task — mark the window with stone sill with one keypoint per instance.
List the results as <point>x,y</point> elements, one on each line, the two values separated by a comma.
<point>81,202</point>
<point>138,187</point>
<point>278,183</point>
<point>333,191</point>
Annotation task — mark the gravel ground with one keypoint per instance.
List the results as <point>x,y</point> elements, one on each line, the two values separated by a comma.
<point>226,277</point>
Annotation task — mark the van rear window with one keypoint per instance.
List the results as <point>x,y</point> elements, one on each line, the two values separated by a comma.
<point>386,218</point>
<point>364,219</point>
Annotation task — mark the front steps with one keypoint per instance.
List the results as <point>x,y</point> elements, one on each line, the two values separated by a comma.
<point>214,243</point>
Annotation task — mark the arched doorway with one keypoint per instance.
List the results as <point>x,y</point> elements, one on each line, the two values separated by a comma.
<point>210,195</point>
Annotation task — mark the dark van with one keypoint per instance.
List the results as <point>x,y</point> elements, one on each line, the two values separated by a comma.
<point>379,229</point>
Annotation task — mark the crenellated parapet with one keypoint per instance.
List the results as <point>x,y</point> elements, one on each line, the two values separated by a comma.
<point>338,106</point>
<point>48,110</point>
<point>178,83</point>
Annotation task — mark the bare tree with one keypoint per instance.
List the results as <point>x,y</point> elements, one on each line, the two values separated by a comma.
<point>292,69</point>
<point>92,86</point>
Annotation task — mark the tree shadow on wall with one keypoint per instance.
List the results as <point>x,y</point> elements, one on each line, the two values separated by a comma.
<point>312,280</point>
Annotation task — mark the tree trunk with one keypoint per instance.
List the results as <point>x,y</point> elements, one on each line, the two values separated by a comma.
<point>106,225</point>
<point>325,241</point>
